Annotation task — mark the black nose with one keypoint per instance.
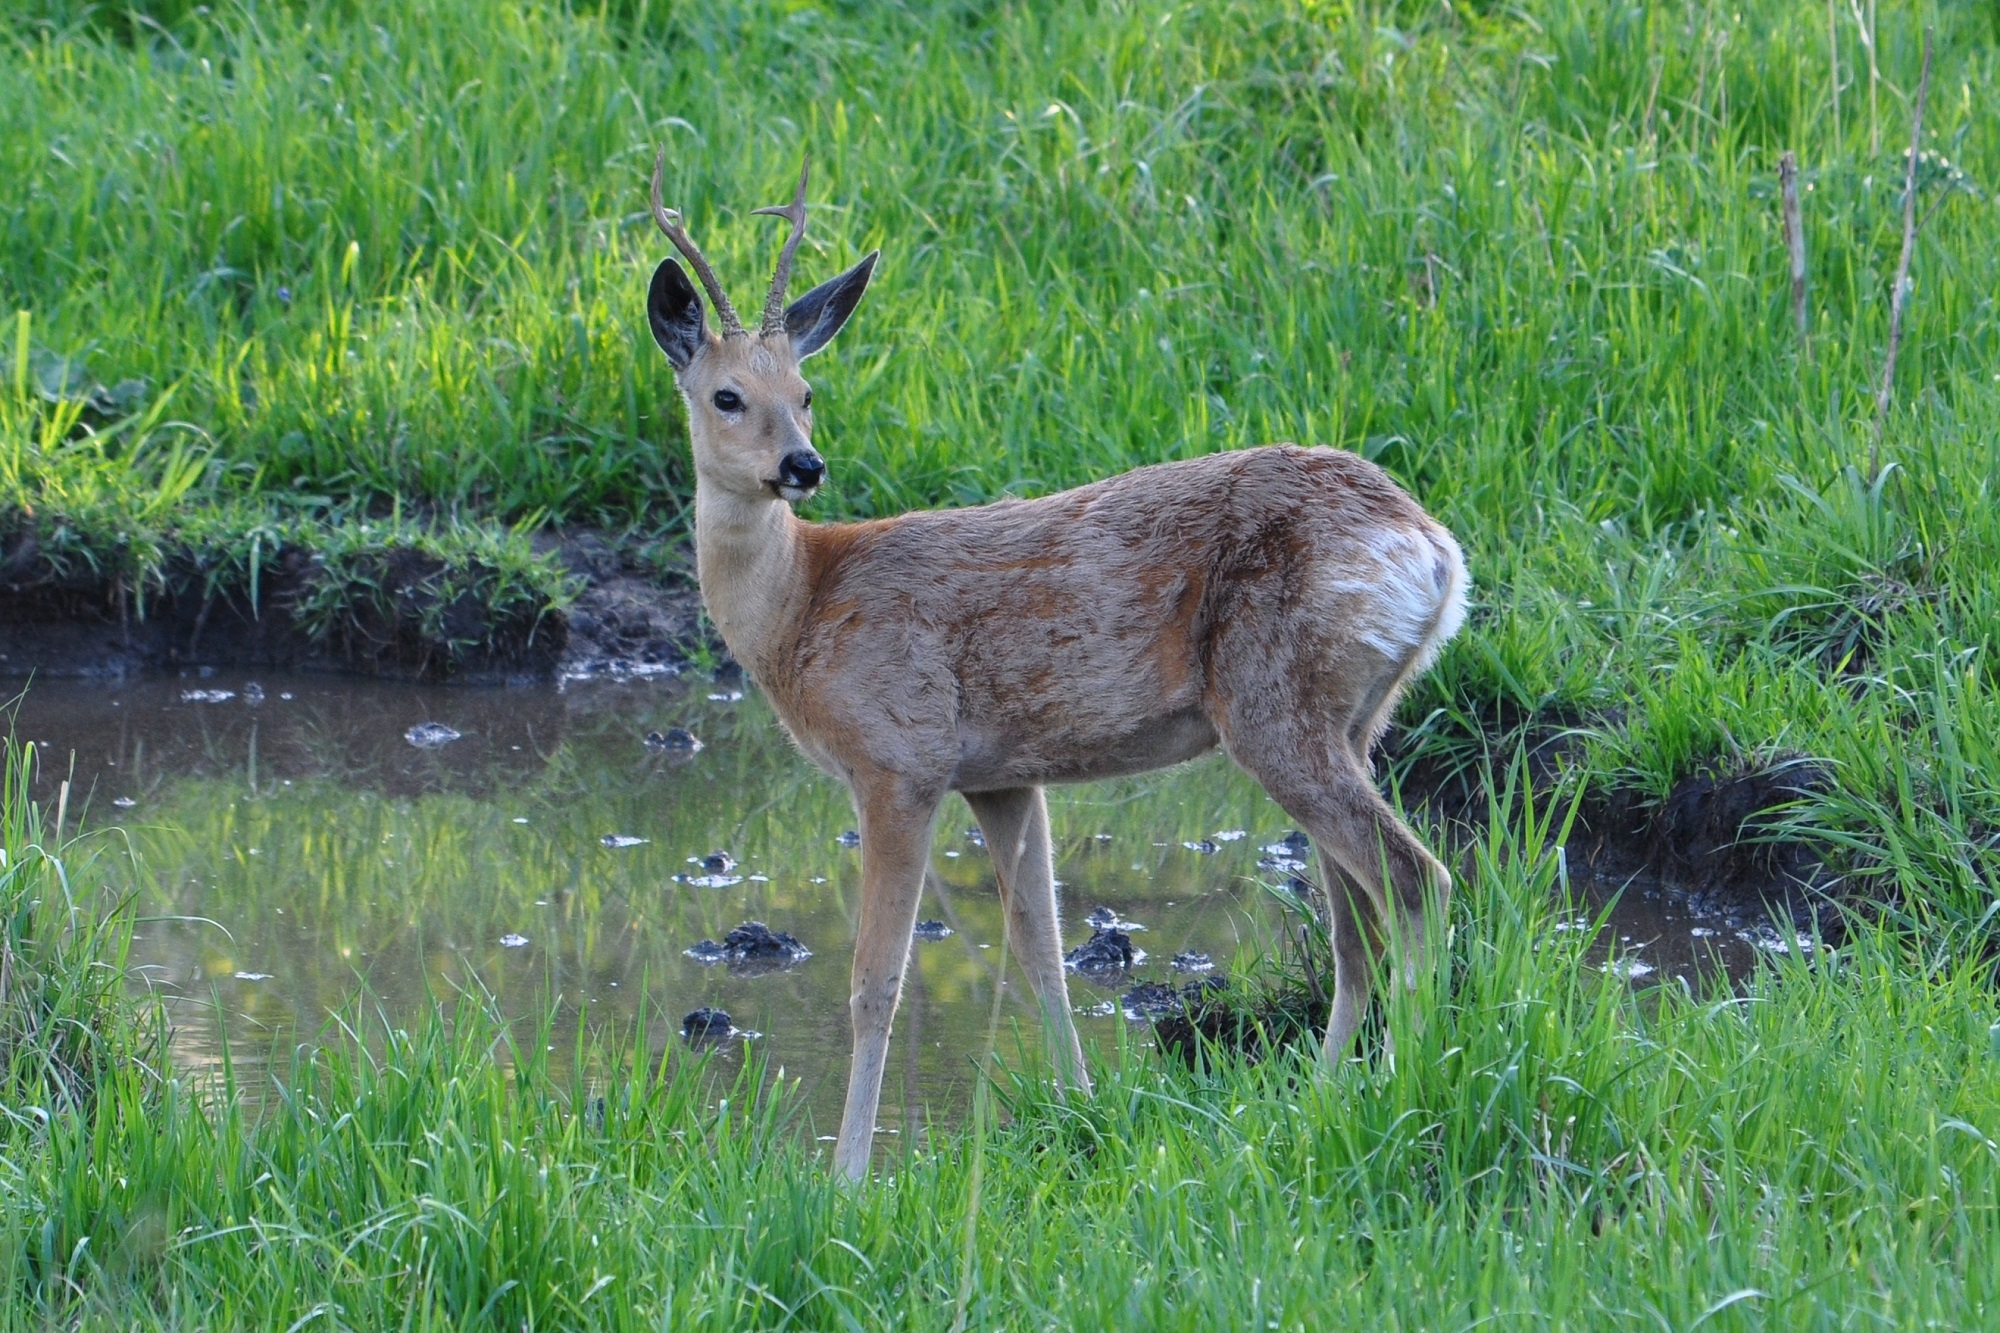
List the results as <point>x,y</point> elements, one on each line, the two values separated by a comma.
<point>803,469</point>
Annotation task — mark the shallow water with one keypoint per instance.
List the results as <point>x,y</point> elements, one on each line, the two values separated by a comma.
<point>300,848</point>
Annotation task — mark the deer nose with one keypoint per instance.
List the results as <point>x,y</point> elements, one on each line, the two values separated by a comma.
<point>801,468</point>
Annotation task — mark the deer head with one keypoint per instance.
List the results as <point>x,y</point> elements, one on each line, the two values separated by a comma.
<point>749,409</point>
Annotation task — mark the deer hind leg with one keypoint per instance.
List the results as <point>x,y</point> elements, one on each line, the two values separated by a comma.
<point>895,847</point>
<point>1324,786</point>
<point>1350,923</point>
<point>1016,825</point>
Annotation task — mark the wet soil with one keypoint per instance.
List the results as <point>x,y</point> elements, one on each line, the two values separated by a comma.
<point>1712,846</point>
<point>630,619</point>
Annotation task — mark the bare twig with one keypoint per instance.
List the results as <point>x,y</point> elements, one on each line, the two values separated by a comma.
<point>1899,294</point>
<point>1795,240</point>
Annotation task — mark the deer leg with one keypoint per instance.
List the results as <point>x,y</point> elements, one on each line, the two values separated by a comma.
<point>1016,825</point>
<point>1352,822</point>
<point>1361,844</point>
<point>1347,924</point>
<point>895,845</point>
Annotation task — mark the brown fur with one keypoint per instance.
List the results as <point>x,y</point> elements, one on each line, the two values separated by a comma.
<point>1274,601</point>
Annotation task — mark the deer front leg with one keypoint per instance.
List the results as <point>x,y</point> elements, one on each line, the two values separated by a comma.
<point>1016,825</point>
<point>895,845</point>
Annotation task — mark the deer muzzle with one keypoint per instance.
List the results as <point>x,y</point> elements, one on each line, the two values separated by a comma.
<point>801,471</point>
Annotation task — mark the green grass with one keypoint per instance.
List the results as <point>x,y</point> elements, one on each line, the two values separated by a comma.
<point>333,278</point>
<point>1548,1149</point>
<point>66,1026</point>
<point>346,276</point>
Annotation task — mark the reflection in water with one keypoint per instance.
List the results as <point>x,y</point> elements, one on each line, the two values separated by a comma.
<point>570,851</point>
<point>301,849</point>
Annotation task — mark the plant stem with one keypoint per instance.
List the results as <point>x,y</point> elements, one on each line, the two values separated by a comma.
<point>1899,294</point>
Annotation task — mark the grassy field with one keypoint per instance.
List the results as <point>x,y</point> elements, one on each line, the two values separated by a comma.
<point>336,277</point>
<point>1550,1149</point>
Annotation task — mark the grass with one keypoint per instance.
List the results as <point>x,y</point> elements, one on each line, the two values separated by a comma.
<point>338,278</point>
<point>1549,1148</point>
<point>331,279</point>
<point>65,1022</point>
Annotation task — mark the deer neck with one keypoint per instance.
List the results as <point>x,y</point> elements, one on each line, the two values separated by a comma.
<point>749,557</point>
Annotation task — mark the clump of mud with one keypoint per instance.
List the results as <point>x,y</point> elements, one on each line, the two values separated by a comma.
<point>706,1026</point>
<point>676,741</point>
<point>1159,1000</point>
<point>752,946</point>
<point>1209,1016</point>
<point>1107,950</point>
<point>1104,918</point>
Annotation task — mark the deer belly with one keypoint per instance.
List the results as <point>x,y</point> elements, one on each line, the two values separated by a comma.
<point>993,758</point>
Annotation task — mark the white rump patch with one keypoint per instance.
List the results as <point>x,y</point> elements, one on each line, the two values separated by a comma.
<point>1412,600</point>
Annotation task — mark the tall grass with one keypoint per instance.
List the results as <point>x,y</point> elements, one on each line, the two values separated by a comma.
<point>1547,1148</point>
<point>385,260</point>
<point>1523,252</point>
<point>1529,258</point>
<point>65,1020</point>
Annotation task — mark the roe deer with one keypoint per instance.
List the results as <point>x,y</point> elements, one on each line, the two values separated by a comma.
<point>1274,601</point>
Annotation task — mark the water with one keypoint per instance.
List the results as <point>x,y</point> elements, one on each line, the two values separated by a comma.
<point>307,839</point>
<point>299,848</point>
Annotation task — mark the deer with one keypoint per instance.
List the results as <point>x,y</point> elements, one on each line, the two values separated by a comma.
<point>1273,601</point>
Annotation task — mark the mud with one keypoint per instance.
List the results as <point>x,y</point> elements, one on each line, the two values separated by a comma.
<point>752,946</point>
<point>1158,1002</point>
<point>1711,844</point>
<point>628,620</point>
<point>1105,951</point>
<point>707,1026</point>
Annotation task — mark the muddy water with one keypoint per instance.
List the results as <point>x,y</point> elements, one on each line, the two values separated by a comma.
<point>298,850</point>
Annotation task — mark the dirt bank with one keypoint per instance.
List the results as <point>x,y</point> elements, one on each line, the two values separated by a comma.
<point>399,613</point>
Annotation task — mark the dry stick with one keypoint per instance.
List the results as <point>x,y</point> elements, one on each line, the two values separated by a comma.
<point>1899,294</point>
<point>1795,240</point>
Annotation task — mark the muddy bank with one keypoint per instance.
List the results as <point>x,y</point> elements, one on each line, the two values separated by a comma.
<point>1715,844</point>
<point>395,613</point>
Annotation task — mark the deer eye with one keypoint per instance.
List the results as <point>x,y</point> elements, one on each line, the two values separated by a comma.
<point>728,400</point>
<point>809,397</point>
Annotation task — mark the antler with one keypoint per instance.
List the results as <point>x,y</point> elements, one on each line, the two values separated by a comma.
<point>774,301</point>
<point>669,221</point>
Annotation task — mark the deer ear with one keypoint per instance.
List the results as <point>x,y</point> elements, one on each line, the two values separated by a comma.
<point>674,311</point>
<point>814,318</point>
